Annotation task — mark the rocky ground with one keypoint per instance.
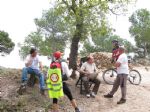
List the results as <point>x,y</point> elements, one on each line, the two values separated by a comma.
<point>138,97</point>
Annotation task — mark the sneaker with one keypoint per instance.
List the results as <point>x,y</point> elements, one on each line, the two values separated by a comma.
<point>93,94</point>
<point>22,88</point>
<point>77,110</point>
<point>121,101</point>
<point>88,95</point>
<point>108,96</point>
<point>24,83</point>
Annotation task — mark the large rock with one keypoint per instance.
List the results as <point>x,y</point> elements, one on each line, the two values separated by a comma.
<point>102,59</point>
<point>144,62</point>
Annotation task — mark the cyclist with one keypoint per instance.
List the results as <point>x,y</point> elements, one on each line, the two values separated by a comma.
<point>115,51</point>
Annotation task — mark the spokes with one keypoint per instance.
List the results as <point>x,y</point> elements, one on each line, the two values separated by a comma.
<point>135,77</point>
<point>109,76</point>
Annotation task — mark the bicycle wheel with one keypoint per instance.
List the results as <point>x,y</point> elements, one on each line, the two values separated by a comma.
<point>135,77</point>
<point>109,76</point>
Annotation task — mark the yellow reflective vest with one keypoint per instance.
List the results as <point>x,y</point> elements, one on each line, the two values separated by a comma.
<point>54,83</point>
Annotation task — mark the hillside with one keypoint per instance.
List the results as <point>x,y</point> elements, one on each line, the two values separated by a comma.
<point>32,101</point>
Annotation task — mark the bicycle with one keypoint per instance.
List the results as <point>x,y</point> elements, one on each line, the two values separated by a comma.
<point>110,75</point>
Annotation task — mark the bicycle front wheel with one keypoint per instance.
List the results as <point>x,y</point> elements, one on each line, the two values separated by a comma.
<point>109,76</point>
<point>135,77</point>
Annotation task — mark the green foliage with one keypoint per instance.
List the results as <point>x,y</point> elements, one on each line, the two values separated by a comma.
<point>34,39</point>
<point>140,29</point>
<point>74,21</point>
<point>55,30</point>
<point>104,44</point>
<point>6,44</point>
<point>52,34</point>
<point>86,16</point>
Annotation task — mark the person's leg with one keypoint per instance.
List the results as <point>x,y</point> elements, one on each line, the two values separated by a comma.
<point>42,82</point>
<point>41,78</point>
<point>86,84</point>
<point>115,86</point>
<point>123,86</point>
<point>114,89</point>
<point>96,86</point>
<point>55,107</point>
<point>24,74</point>
<point>68,93</point>
<point>123,82</point>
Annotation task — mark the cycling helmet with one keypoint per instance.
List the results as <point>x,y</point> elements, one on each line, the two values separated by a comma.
<point>57,54</point>
<point>115,41</point>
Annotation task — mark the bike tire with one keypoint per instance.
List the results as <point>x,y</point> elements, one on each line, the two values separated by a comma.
<point>138,74</point>
<point>110,82</point>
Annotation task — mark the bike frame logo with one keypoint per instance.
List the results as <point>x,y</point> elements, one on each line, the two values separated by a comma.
<point>54,77</point>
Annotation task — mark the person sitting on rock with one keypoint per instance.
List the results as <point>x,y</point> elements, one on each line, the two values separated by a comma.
<point>33,65</point>
<point>90,73</point>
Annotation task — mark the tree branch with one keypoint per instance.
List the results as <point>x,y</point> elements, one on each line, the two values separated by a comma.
<point>73,7</point>
<point>66,3</point>
<point>113,12</point>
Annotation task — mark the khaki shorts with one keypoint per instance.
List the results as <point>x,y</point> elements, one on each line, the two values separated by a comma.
<point>93,76</point>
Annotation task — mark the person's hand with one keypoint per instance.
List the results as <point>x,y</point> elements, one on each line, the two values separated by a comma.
<point>29,62</point>
<point>41,68</point>
<point>87,73</point>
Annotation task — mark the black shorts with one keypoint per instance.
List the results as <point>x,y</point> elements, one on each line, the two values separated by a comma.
<point>67,92</point>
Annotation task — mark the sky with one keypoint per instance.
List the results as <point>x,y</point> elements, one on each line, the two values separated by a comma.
<point>17,18</point>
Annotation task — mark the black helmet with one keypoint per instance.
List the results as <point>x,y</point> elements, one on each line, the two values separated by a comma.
<point>116,42</point>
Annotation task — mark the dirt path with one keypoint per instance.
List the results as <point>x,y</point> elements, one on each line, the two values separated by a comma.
<point>138,97</point>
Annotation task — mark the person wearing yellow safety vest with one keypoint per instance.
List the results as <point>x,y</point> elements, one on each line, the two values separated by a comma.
<point>56,85</point>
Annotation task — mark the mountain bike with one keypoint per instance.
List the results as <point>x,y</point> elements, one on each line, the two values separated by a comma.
<point>110,75</point>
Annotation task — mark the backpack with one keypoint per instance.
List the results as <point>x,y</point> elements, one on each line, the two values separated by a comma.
<point>57,64</point>
<point>54,81</point>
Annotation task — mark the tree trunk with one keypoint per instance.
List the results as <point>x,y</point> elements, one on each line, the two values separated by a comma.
<point>74,51</point>
<point>145,51</point>
<point>77,36</point>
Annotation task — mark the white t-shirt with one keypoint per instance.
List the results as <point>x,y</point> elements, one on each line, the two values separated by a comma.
<point>65,69</point>
<point>35,61</point>
<point>123,68</point>
<point>91,68</point>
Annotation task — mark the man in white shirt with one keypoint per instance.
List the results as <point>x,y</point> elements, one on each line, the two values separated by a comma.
<point>121,80</point>
<point>33,65</point>
<point>89,71</point>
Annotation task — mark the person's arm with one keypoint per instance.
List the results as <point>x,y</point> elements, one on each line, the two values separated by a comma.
<point>83,69</point>
<point>95,68</point>
<point>113,56</point>
<point>40,64</point>
<point>65,69</point>
<point>28,61</point>
<point>119,62</point>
